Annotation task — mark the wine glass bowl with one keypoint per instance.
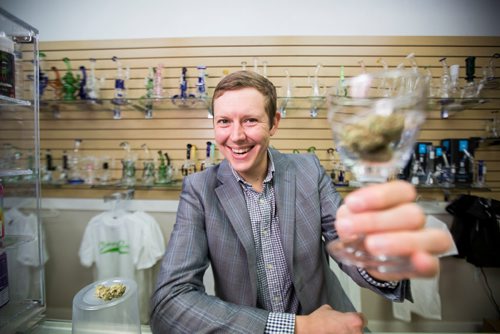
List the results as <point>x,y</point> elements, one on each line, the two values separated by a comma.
<point>375,120</point>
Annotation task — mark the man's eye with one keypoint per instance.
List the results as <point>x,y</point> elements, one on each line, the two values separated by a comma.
<point>222,121</point>
<point>250,121</point>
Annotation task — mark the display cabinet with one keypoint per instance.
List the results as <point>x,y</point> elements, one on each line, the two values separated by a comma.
<point>22,296</point>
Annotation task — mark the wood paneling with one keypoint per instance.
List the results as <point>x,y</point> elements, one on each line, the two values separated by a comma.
<point>172,128</point>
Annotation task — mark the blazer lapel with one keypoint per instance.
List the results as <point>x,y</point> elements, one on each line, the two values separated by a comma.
<point>285,187</point>
<point>233,201</point>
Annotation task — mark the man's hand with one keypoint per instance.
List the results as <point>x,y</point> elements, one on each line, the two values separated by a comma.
<point>392,225</point>
<point>326,320</point>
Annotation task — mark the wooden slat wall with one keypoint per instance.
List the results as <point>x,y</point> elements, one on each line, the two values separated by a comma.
<point>172,128</point>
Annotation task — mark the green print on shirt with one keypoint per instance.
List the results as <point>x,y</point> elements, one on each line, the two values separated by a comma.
<point>119,247</point>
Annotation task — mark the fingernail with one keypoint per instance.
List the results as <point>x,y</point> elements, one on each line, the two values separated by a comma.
<point>354,203</point>
<point>376,243</point>
<point>344,226</point>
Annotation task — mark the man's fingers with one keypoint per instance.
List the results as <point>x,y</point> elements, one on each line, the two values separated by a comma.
<point>431,241</point>
<point>380,196</point>
<point>404,217</point>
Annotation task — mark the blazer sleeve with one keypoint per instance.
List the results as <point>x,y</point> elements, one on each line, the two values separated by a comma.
<point>330,202</point>
<point>179,302</point>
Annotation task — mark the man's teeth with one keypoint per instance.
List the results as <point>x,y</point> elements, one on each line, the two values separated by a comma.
<point>240,150</point>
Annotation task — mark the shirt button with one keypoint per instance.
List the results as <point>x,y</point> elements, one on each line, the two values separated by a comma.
<point>269,266</point>
<point>261,200</point>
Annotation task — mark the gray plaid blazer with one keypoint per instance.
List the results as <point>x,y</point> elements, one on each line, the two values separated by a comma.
<point>213,227</point>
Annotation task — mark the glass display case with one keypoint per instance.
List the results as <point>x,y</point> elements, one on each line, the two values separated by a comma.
<point>22,294</point>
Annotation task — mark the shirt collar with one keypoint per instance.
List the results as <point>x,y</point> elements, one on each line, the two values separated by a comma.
<point>269,175</point>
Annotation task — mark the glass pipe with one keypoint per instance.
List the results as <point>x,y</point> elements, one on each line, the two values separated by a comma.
<point>82,92</point>
<point>341,90</point>
<point>75,161</point>
<point>264,68</point>
<point>165,170</point>
<point>149,82</point>
<point>471,89</point>
<point>413,62</point>
<point>43,79</point>
<point>121,77</point>
<point>128,165</point>
<point>444,90</point>
<point>454,87</point>
<point>489,72</point>
<point>93,85</point>
<point>188,167</point>
<point>384,90</point>
<point>201,88</point>
<point>256,64</point>
<point>70,82</point>
<point>183,86</point>
<point>333,165</point>
<point>210,156</point>
<point>148,173</point>
<point>157,83</point>
<point>316,96</point>
<point>243,65</point>
<point>287,94</point>
<point>56,84</point>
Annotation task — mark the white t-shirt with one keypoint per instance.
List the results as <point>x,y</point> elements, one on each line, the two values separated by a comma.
<point>24,264</point>
<point>124,245</point>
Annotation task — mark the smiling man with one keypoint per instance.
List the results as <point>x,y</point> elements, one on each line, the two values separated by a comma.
<point>263,220</point>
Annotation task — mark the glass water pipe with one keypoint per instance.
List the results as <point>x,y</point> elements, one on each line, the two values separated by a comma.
<point>317,94</point>
<point>287,94</point>
<point>158,81</point>
<point>471,88</point>
<point>43,79</point>
<point>70,83</point>
<point>75,161</point>
<point>444,90</point>
<point>201,88</point>
<point>165,170</point>
<point>128,165</point>
<point>209,157</point>
<point>93,85</point>
<point>147,99</point>
<point>56,84</point>
<point>148,172</point>
<point>489,77</point>
<point>181,98</point>
<point>82,92</point>
<point>121,77</point>
<point>189,166</point>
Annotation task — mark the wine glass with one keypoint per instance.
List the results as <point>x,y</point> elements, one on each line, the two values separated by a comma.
<point>375,119</point>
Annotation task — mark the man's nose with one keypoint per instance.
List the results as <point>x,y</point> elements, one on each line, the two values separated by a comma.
<point>238,132</point>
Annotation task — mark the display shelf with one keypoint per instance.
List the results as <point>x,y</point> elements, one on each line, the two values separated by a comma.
<point>13,241</point>
<point>114,185</point>
<point>449,106</point>
<point>489,141</point>
<point>15,172</point>
<point>6,101</point>
<point>140,104</point>
<point>21,316</point>
<point>24,307</point>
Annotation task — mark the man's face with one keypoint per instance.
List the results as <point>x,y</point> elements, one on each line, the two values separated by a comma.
<point>242,131</point>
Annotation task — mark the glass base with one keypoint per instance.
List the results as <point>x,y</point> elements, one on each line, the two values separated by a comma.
<point>353,252</point>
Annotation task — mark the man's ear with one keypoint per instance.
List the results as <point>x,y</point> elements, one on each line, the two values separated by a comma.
<point>276,121</point>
